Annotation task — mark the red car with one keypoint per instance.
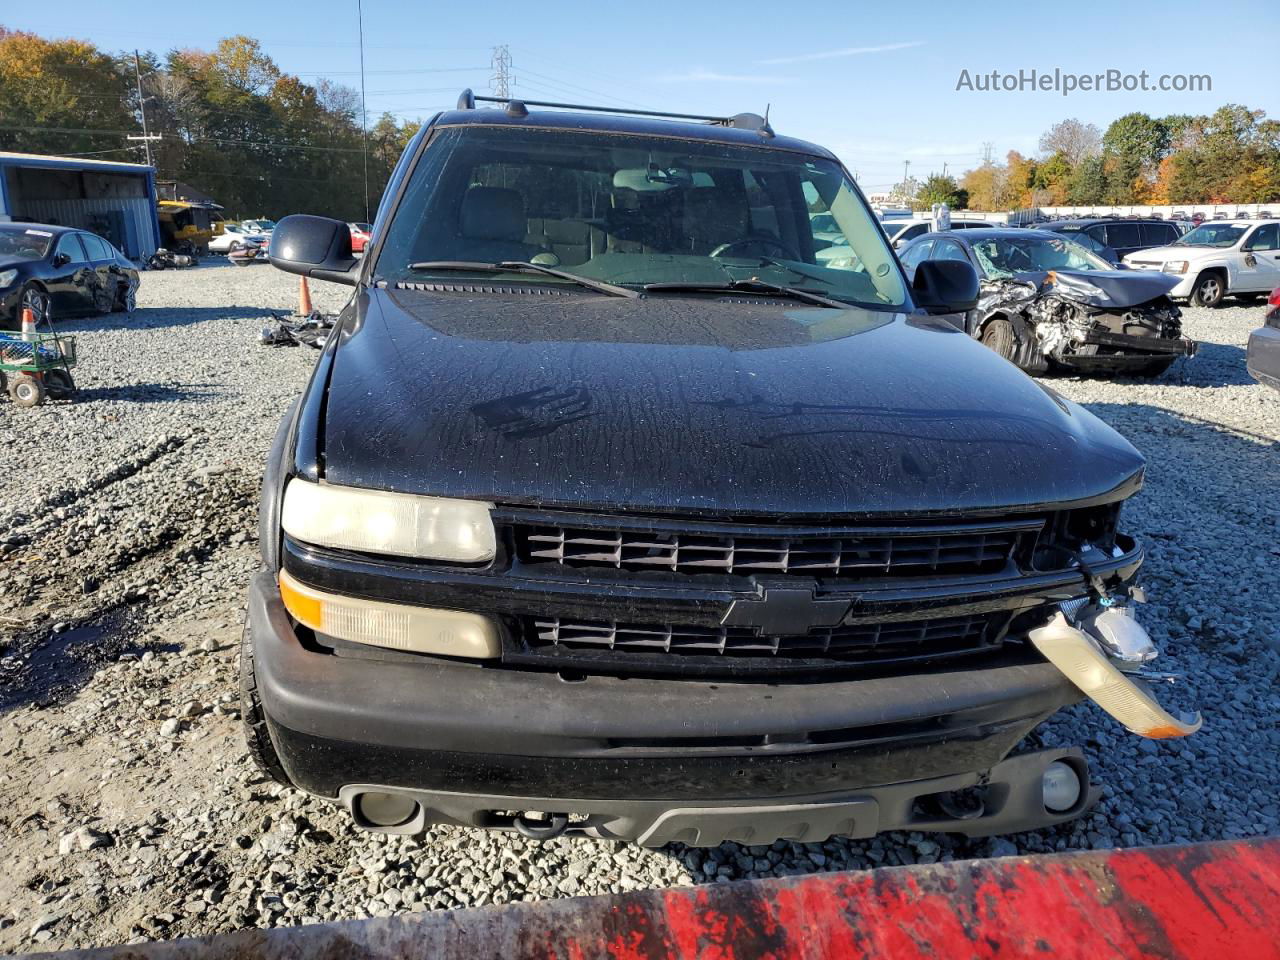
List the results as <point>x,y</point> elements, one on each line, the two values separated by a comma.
<point>360,235</point>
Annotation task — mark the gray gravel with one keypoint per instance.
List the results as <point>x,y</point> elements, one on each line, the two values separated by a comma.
<point>127,806</point>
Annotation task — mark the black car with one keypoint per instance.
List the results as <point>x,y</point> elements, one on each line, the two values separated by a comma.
<point>1113,239</point>
<point>609,509</point>
<point>1046,300</point>
<point>60,272</point>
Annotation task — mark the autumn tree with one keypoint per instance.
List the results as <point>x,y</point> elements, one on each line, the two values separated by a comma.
<point>1071,139</point>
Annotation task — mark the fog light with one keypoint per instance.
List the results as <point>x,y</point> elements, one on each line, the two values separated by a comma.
<point>386,809</point>
<point>1061,786</point>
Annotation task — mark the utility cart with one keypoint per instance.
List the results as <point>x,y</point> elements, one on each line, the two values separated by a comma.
<point>37,366</point>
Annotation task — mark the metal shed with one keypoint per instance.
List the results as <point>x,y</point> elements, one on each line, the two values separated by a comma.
<point>113,200</point>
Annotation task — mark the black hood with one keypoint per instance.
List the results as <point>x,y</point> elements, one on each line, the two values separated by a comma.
<point>693,404</point>
<point>1103,288</point>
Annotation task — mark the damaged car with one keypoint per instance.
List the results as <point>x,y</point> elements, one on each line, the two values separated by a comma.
<point>609,510</point>
<point>57,272</point>
<point>1047,302</point>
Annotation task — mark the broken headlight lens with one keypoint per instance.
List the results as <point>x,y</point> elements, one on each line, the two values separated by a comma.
<point>1174,266</point>
<point>374,521</point>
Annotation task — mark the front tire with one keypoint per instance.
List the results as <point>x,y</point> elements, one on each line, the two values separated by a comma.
<point>998,335</point>
<point>1209,290</point>
<point>253,718</point>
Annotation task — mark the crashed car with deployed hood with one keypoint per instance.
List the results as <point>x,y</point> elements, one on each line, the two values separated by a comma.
<point>609,510</point>
<point>1047,301</point>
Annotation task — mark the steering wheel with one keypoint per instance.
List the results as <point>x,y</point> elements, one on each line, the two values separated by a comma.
<point>758,242</point>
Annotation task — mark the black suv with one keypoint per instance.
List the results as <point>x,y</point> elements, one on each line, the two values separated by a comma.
<point>1115,239</point>
<point>609,509</point>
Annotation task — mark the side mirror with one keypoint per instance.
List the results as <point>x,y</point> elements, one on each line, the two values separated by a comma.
<point>314,247</point>
<point>61,259</point>
<point>945,286</point>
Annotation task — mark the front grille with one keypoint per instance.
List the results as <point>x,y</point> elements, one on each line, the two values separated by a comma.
<point>910,552</point>
<point>869,642</point>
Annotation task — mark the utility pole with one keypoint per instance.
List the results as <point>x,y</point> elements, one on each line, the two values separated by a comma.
<point>944,169</point>
<point>142,109</point>
<point>501,80</point>
<point>986,153</point>
<point>364,113</point>
<point>906,182</point>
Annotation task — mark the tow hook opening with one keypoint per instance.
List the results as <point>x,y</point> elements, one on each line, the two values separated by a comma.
<point>541,826</point>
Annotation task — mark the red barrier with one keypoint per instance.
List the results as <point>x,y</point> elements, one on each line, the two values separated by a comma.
<point>1219,900</point>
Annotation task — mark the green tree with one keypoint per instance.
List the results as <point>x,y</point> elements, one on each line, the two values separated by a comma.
<point>940,189</point>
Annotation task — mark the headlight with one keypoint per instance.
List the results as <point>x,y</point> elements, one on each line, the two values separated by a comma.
<point>1175,266</point>
<point>372,521</point>
<point>7,277</point>
<point>396,626</point>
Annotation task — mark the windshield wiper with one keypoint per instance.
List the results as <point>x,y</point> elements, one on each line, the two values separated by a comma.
<point>748,286</point>
<point>522,266</point>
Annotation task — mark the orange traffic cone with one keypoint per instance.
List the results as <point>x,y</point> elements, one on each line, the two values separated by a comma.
<point>304,298</point>
<point>28,324</point>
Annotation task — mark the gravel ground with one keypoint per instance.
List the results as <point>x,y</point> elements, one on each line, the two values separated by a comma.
<point>129,810</point>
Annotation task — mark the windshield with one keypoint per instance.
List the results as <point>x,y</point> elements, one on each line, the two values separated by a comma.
<point>1006,256</point>
<point>24,244</point>
<point>1212,235</point>
<point>633,210</point>
<point>259,224</point>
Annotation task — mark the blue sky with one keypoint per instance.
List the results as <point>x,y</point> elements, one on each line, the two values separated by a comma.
<point>874,82</point>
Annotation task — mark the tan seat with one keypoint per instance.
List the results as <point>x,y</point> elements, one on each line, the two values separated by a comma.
<point>572,241</point>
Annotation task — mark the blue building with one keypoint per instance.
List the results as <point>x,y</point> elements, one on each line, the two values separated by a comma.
<point>114,200</point>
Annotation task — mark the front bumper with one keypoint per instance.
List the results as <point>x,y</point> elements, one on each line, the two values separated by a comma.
<point>656,760</point>
<point>1135,352</point>
<point>1263,356</point>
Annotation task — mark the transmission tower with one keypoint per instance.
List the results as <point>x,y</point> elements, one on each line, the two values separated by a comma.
<point>501,80</point>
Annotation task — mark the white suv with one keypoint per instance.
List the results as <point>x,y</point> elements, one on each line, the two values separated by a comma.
<point>1218,258</point>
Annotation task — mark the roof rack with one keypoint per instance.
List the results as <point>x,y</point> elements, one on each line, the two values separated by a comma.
<point>519,108</point>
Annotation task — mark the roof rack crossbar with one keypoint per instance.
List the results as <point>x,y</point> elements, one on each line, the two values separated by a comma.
<point>721,121</point>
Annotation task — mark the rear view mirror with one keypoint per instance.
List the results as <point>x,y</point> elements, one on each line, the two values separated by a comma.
<point>315,247</point>
<point>945,286</point>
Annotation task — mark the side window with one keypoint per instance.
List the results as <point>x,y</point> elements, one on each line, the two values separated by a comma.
<point>948,250</point>
<point>70,245</point>
<point>1171,233</point>
<point>1121,235</point>
<point>917,252</point>
<point>96,247</point>
<point>1265,238</point>
<point>1088,239</point>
